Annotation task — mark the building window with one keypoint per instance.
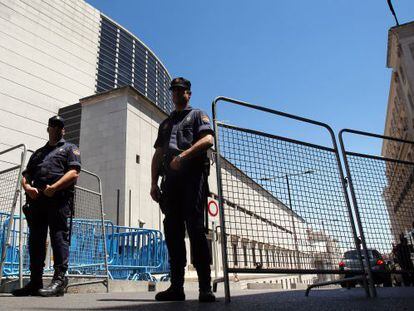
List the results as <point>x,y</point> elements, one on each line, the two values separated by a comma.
<point>125,56</point>
<point>410,100</point>
<point>254,255</point>
<point>261,255</point>
<point>107,57</point>
<point>245,254</point>
<point>396,104</point>
<point>234,246</point>
<point>412,49</point>
<point>402,74</point>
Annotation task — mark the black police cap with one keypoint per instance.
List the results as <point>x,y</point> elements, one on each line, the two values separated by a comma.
<point>180,82</point>
<point>56,121</point>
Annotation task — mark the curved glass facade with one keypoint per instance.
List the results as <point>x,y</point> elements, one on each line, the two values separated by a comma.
<point>125,60</point>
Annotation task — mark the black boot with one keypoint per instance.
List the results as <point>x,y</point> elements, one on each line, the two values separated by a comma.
<point>171,294</point>
<point>56,287</point>
<point>204,282</point>
<point>31,289</point>
<point>206,296</point>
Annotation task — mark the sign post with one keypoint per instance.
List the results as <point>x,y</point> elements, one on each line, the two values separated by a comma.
<point>213,209</point>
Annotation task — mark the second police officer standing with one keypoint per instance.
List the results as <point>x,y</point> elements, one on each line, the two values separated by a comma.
<point>181,160</point>
<point>49,181</point>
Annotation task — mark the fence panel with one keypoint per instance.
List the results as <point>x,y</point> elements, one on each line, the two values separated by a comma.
<point>88,253</point>
<point>136,253</point>
<point>11,164</point>
<point>88,249</point>
<point>12,260</point>
<point>383,195</point>
<point>283,202</point>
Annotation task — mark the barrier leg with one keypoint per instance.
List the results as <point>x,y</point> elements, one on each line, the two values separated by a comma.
<point>355,278</point>
<point>215,282</point>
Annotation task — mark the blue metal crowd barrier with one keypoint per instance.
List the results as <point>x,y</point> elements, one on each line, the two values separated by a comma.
<point>11,263</point>
<point>87,253</point>
<point>133,253</point>
<point>136,253</point>
<point>85,237</point>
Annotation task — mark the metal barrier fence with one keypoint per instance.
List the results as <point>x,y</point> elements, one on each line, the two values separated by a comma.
<point>88,253</point>
<point>140,253</point>
<point>133,253</point>
<point>10,189</point>
<point>383,196</point>
<point>136,253</point>
<point>284,206</point>
<point>13,251</point>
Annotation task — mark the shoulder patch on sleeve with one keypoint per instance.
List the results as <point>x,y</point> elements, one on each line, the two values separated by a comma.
<point>205,118</point>
<point>76,151</point>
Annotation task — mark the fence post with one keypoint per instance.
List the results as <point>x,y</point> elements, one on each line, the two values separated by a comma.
<point>221,207</point>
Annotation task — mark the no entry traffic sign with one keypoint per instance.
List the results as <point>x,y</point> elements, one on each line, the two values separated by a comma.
<point>213,208</point>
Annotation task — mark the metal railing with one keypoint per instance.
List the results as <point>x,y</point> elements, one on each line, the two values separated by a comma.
<point>284,205</point>
<point>383,195</point>
<point>10,189</point>
<point>136,253</point>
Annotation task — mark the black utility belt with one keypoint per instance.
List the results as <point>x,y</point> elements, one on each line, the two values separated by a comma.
<point>57,195</point>
<point>185,170</point>
<point>194,162</point>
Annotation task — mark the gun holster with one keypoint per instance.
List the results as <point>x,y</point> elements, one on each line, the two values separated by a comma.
<point>27,210</point>
<point>163,197</point>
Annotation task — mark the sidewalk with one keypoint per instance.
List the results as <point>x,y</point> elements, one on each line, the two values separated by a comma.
<point>401,299</point>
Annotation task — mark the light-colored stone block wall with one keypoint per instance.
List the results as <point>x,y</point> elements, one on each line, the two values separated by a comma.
<point>116,127</point>
<point>48,55</point>
<point>103,145</point>
<point>400,124</point>
<point>143,119</point>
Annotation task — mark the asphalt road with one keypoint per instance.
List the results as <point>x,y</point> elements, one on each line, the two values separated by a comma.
<point>249,300</point>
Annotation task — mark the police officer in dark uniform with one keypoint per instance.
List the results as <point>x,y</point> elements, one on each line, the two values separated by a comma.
<point>181,160</point>
<point>49,181</point>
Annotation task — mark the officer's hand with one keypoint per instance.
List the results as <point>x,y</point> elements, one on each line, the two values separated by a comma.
<point>33,193</point>
<point>175,164</point>
<point>155,193</point>
<point>49,191</point>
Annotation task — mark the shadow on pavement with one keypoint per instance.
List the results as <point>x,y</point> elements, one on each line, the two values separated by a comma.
<point>126,300</point>
<point>335,299</point>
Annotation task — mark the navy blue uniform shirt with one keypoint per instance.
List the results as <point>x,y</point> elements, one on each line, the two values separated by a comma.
<point>182,129</point>
<point>49,163</point>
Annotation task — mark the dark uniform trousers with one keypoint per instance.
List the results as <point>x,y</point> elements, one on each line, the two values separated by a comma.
<point>52,213</point>
<point>183,200</point>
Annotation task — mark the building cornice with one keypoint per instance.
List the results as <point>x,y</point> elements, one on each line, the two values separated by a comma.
<point>395,34</point>
<point>404,30</point>
<point>123,90</point>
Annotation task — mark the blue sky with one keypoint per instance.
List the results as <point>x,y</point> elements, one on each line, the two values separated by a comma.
<point>324,60</point>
